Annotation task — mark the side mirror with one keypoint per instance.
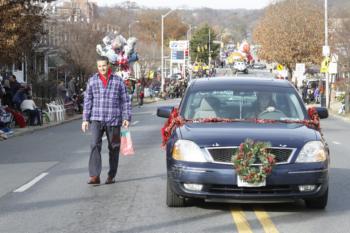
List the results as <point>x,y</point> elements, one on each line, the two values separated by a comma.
<point>164,111</point>
<point>322,112</point>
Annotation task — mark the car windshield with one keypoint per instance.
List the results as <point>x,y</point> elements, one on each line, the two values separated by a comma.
<point>244,104</point>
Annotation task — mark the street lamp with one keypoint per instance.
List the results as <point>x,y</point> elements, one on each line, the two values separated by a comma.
<point>162,50</point>
<point>130,24</point>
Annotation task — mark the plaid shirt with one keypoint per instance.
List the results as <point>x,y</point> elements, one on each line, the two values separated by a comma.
<point>110,104</point>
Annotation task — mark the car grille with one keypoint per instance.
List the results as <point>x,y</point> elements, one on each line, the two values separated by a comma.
<point>234,189</point>
<point>224,155</point>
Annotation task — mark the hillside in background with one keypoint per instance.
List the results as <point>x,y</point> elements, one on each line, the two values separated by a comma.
<point>238,23</point>
<point>230,26</point>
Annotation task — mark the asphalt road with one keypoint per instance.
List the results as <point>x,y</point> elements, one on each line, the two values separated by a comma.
<point>61,201</point>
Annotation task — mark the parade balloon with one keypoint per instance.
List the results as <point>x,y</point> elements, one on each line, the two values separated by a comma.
<point>119,51</point>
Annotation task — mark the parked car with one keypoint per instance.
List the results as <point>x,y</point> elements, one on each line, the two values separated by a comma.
<point>199,155</point>
<point>259,66</point>
<point>313,83</point>
<point>240,66</point>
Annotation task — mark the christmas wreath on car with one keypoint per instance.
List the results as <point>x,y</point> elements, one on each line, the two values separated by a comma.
<point>247,157</point>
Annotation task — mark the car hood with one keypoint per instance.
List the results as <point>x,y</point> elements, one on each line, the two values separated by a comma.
<point>232,134</point>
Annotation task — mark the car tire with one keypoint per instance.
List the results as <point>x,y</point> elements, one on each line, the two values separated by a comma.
<point>172,199</point>
<point>318,202</point>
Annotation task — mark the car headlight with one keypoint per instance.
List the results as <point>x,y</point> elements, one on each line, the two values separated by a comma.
<point>312,152</point>
<point>185,150</point>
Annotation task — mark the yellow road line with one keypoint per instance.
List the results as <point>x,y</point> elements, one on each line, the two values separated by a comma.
<point>265,221</point>
<point>240,220</point>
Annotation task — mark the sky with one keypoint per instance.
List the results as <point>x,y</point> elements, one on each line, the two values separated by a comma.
<point>215,4</point>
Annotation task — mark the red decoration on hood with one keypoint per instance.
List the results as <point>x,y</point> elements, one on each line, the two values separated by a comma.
<point>175,120</point>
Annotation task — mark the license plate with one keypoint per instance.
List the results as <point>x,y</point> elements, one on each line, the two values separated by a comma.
<point>242,183</point>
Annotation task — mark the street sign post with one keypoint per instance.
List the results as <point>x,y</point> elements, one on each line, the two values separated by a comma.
<point>179,54</point>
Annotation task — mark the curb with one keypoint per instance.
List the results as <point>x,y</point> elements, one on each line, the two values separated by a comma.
<point>37,128</point>
<point>337,116</point>
<point>76,117</point>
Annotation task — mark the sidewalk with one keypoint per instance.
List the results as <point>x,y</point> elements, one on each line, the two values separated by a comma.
<point>333,111</point>
<point>31,129</point>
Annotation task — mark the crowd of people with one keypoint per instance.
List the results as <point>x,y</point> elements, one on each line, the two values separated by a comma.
<point>312,93</point>
<point>16,106</point>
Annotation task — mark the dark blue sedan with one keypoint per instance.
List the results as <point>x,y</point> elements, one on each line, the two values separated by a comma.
<point>199,155</point>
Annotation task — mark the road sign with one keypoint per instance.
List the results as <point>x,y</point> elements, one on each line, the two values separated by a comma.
<point>325,65</point>
<point>179,44</point>
<point>300,68</point>
<point>178,50</point>
<point>280,67</point>
<point>326,51</point>
<point>333,68</point>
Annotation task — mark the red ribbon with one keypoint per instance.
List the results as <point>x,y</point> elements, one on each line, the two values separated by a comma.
<point>175,120</point>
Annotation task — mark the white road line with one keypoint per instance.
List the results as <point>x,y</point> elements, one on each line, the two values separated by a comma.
<point>104,138</point>
<point>135,122</point>
<point>336,143</point>
<point>31,183</point>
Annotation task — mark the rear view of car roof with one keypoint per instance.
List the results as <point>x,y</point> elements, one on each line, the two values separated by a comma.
<point>220,82</point>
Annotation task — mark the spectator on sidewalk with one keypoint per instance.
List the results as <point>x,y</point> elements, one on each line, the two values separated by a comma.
<point>7,98</point>
<point>61,91</point>
<point>107,108</point>
<point>142,95</point>
<point>14,85</point>
<point>2,91</point>
<point>28,106</point>
<point>317,95</point>
<point>72,88</point>
<point>20,96</point>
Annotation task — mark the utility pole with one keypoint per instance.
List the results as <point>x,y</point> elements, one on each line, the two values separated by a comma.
<point>209,58</point>
<point>162,50</point>
<point>326,45</point>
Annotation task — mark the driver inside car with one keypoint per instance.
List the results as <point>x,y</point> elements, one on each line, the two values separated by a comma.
<point>266,107</point>
<point>264,103</point>
<point>262,106</point>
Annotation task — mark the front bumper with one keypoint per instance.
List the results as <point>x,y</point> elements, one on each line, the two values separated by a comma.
<point>220,182</point>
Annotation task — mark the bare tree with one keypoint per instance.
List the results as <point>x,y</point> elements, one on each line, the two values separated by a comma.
<point>80,47</point>
<point>290,32</point>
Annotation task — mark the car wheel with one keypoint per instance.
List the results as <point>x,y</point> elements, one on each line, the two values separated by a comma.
<point>246,71</point>
<point>172,199</point>
<point>319,202</point>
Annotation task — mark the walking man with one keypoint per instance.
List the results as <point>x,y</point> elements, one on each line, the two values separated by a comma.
<point>107,108</point>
